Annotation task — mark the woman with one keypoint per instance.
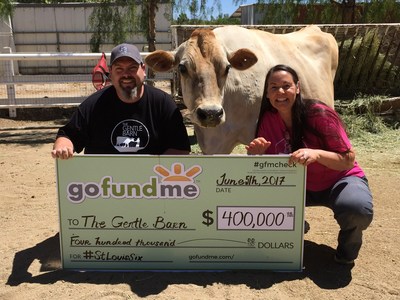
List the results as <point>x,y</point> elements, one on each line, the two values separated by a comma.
<point>313,134</point>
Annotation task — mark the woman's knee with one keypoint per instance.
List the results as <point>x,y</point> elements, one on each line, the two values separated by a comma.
<point>352,200</point>
<point>350,219</point>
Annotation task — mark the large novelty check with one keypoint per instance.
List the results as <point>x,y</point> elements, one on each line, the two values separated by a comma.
<point>181,212</point>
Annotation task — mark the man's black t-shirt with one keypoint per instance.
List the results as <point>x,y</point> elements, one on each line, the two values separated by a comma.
<point>103,124</point>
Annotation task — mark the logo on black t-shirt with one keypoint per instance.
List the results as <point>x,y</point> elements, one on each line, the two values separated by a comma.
<point>130,136</point>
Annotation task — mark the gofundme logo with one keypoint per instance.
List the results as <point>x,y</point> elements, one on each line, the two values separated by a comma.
<point>172,183</point>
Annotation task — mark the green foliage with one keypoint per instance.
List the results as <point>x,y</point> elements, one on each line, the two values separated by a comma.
<point>351,53</point>
<point>328,12</point>
<point>360,115</point>
<point>367,129</point>
<point>224,20</point>
<point>220,20</point>
<point>312,14</point>
<point>387,11</point>
<point>197,9</point>
<point>280,12</point>
<point>113,22</point>
<point>5,9</point>
<point>53,1</point>
<point>182,19</point>
<point>299,11</point>
<point>194,12</point>
<point>363,61</point>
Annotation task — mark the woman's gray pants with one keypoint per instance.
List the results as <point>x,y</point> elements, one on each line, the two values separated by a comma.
<point>351,202</point>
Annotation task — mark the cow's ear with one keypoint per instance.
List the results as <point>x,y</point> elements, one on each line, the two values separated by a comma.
<point>160,61</point>
<point>242,59</point>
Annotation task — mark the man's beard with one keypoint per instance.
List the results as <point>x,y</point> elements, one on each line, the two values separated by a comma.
<point>129,92</point>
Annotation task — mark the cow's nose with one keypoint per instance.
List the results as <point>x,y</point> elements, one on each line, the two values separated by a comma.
<point>210,117</point>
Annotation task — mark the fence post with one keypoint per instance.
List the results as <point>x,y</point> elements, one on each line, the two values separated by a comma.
<point>9,76</point>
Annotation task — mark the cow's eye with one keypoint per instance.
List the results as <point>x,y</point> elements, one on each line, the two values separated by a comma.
<point>182,69</point>
<point>228,67</point>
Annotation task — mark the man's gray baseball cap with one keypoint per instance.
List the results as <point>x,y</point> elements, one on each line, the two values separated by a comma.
<point>126,50</point>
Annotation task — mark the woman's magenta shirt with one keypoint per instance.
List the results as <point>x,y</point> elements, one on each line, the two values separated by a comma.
<point>334,139</point>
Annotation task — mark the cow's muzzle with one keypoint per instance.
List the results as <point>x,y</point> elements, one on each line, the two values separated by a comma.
<point>210,116</point>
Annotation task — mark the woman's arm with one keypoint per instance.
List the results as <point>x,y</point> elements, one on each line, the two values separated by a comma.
<point>331,160</point>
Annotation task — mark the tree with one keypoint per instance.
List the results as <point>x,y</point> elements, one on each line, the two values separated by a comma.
<point>151,10</point>
<point>6,6</point>
<point>347,9</point>
<point>387,11</point>
<point>113,20</point>
<point>110,22</point>
<point>5,9</point>
<point>329,11</point>
<point>201,14</point>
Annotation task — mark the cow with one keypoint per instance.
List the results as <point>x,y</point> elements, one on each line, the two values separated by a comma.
<point>222,74</point>
<point>127,142</point>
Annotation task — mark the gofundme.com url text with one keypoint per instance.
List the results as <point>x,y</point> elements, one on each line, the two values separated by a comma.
<point>207,257</point>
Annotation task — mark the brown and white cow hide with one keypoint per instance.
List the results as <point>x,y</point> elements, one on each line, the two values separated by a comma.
<point>222,74</point>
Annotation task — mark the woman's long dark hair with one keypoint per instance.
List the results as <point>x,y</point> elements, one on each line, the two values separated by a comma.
<point>301,110</point>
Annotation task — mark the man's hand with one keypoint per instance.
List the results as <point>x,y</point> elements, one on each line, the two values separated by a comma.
<point>63,148</point>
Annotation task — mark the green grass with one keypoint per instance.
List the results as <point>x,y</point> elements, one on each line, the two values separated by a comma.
<point>368,130</point>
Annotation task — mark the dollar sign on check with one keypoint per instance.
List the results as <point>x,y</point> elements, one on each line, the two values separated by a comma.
<point>207,216</point>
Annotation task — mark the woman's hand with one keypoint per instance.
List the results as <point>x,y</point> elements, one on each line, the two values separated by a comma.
<point>304,156</point>
<point>257,146</point>
<point>331,160</point>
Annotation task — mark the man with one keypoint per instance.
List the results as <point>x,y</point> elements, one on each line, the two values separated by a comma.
<point>127,117</point>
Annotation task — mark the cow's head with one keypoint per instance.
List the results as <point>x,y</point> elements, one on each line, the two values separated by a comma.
<point>203,65</point>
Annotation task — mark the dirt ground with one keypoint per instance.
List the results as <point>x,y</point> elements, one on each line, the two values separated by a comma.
<point>30,257</point>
